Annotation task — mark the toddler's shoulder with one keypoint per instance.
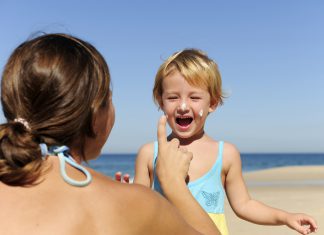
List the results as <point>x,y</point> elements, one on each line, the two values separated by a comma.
<point>146,149</point>
<point>230,148</point>
<point>145,153</point>
<point>231,154</point>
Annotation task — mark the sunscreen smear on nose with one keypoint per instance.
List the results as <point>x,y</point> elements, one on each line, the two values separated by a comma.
<point>183,106</point>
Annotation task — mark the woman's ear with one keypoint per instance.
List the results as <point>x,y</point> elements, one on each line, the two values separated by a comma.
<point>95,125</point>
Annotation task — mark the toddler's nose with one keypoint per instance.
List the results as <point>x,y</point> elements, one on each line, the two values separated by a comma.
<point>183,106</point>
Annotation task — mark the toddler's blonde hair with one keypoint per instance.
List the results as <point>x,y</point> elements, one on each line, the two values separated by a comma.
<point>196,68</point>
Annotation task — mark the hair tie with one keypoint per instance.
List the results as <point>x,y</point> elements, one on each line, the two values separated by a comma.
<point>23,122</point>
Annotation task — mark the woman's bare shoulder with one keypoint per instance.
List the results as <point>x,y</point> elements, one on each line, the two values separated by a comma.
<point>107,191</point>
<point>115,204</point>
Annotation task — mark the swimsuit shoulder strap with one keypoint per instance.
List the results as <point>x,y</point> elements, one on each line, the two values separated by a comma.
<point>65,158</point>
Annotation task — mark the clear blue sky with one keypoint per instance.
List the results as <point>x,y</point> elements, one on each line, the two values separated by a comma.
<point>270,53</point>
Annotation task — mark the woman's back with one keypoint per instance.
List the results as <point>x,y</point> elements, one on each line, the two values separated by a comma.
<point>51,207</point>
<point>103,207</point>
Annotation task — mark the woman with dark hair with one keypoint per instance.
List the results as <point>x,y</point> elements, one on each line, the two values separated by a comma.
<point>56,97</point>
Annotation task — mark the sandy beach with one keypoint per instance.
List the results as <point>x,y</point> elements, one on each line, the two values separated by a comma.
<point>295,189</point>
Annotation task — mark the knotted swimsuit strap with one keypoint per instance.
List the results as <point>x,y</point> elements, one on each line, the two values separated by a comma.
<point>62,153</point>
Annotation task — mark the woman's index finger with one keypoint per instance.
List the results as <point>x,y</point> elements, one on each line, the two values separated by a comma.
<point>161,131</point>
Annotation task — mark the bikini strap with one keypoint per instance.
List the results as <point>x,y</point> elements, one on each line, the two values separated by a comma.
<point>62,152</point>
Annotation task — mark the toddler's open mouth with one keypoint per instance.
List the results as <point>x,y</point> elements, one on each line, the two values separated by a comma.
<point>184,121</point>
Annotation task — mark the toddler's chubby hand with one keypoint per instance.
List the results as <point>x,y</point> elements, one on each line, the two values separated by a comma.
<point>122,178</point>
<point>302,223</point>
<point>172,162</point>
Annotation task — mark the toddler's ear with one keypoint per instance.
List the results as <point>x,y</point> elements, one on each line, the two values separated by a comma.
<point>213,105</point>
<point>160,102</point>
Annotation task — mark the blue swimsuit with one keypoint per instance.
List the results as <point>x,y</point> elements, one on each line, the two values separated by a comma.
<point>207,190</point>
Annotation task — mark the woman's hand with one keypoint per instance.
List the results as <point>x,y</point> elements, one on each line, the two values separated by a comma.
<point>172,162</point>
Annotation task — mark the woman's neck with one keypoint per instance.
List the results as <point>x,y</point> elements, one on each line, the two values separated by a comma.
<point>76,154</point>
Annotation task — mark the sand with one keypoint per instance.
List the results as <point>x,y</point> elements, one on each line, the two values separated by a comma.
<point>294,189</point>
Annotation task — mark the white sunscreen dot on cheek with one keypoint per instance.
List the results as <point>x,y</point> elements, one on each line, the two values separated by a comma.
<point>183,106</point>
<point>201,112</point>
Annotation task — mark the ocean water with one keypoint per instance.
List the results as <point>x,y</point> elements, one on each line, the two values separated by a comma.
<point>108,164</point>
